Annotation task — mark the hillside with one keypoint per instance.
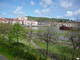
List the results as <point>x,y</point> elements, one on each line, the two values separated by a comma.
<point>48,19</point>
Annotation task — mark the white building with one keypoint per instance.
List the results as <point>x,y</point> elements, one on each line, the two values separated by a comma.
<point>27,22</point>
<point>21,20</point>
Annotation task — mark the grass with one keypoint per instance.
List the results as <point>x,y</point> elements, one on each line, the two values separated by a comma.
<point>60,50</point>
<point>15,52</point>
<point>5,52</point>
<point>12,51</point>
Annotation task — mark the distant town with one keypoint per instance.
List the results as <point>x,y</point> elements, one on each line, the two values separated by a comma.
<point>21,20</point>
<point>27,22</point>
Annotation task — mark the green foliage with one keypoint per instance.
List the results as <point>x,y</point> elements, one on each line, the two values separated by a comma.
<point>12,48</point>
<point>4,28</point>
<point>17,32</point>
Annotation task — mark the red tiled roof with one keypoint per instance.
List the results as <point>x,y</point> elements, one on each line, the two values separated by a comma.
<point>9,19</point>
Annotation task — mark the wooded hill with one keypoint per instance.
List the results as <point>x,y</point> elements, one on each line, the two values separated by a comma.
<point>48,19</point>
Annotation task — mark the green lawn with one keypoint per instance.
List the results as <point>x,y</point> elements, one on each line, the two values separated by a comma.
<point>60,50</point>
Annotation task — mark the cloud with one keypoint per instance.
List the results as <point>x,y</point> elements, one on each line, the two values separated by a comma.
<point>66,3</point>
<point>37,12</point>
<point>42,11</point>
<point>46,3</point>
<point>18,11</point>
<point>73,13</point>
<point>32,2</point>
<point>77,12</point>
<point>69,13</point>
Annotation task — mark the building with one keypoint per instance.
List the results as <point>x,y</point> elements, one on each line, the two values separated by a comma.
<point>68,24</point>
<point>75,25</point>
<point>26,22</point>
<point>20,20</point>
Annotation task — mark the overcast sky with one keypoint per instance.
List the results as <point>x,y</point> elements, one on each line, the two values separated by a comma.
<point>41,8</point>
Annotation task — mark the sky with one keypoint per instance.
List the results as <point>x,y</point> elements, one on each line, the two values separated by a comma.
<point>69,9</point>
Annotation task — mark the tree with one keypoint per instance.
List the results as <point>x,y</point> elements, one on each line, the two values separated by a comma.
<point>17,32</point>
